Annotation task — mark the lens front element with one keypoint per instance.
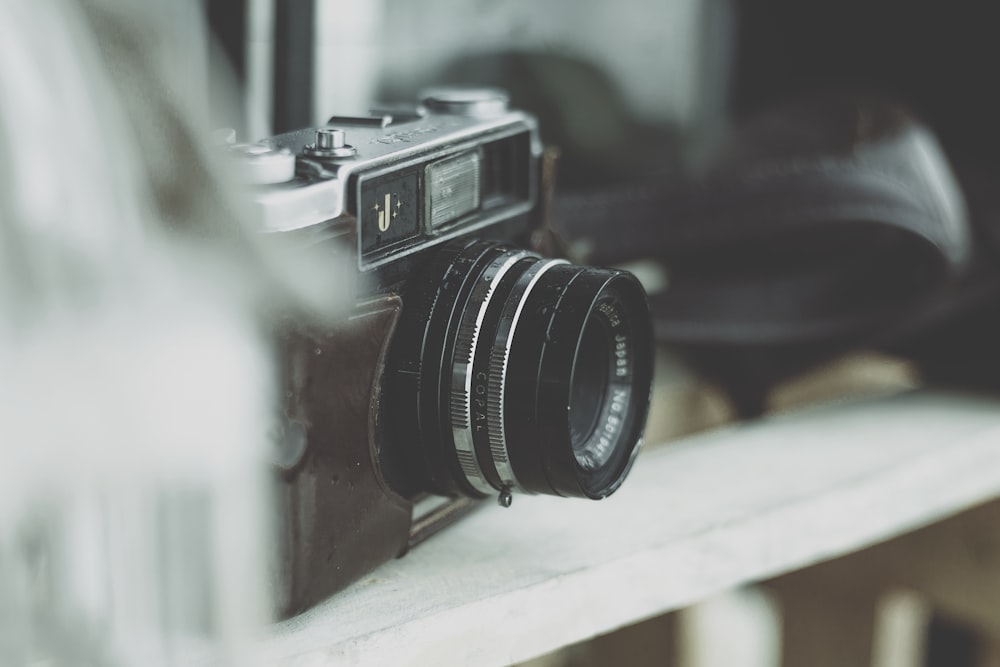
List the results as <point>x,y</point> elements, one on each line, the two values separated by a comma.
<point>514,372</point>
<point>588,396</point>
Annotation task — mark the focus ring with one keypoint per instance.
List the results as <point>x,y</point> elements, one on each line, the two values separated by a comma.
<point>461,384</point>
<point>498,371</point>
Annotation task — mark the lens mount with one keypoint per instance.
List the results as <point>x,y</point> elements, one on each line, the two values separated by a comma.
<point>509,371</point>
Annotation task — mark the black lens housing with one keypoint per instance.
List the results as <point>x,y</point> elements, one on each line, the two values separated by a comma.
<point>495,348</point>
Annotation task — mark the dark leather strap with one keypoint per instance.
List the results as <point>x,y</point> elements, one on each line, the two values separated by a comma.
<point>822,220</point>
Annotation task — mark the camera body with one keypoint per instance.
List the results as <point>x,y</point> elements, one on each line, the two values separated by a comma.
<point>436,210</point>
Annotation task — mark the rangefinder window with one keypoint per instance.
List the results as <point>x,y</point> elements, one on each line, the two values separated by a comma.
<point>452,189</point>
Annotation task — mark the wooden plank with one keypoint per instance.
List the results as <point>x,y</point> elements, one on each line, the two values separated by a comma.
<point>953,567</point>
<point>695,517</point>
<point>829,630</point>
<point>740,627</point>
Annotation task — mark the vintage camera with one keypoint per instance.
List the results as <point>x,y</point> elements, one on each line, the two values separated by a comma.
<point>472,365</point>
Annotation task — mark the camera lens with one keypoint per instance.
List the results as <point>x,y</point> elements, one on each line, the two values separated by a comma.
<point>512,372</point>
<point>588,389</point>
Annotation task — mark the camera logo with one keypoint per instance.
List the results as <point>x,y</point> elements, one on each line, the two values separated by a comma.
<point>387,211</point>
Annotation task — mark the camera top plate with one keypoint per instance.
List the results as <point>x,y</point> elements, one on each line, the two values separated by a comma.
<point>329,187</point>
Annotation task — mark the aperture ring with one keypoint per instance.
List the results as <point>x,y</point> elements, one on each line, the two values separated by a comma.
<point>499,357</point>
<point>469,333</point>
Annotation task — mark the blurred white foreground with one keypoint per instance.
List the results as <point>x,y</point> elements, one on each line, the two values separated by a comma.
<point>135,379</point>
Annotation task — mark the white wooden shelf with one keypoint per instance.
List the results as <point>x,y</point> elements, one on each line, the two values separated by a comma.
<point>695,517</point>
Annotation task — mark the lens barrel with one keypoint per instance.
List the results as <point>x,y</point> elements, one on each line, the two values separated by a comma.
<point>513,372</point>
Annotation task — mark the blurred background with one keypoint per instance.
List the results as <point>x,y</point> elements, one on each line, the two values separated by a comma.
<point>689,65</point>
